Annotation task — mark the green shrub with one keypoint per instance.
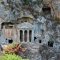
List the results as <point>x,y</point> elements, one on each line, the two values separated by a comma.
<point>11,57</point>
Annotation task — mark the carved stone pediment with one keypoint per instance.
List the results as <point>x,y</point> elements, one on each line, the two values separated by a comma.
<point>25,25</point>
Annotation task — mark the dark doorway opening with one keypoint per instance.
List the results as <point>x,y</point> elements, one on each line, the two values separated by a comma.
<point>25,35</point>
<point>21,35</point>
<point>35,38</point>
<point>10,41</point>
<point>46,9</point>
<point>30,35</point>
<point>39,41</point>
<point>50,43</point>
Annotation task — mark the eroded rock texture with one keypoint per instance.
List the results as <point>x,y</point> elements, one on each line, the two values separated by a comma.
<point>44,15</point>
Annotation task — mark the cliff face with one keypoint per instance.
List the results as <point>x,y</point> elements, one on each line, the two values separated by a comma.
<point>55,8</point>
<point>34,6</point>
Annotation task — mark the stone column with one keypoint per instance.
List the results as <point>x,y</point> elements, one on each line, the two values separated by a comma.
<point>23,36</point>
<point>32,39</point>
<point>4,31</point>
<point>18,35</point>
<point>27,35</point>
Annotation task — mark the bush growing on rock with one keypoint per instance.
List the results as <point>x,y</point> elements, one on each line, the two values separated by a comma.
<point>13,48</point>
<point>26,53</point>
<point>11,57</point>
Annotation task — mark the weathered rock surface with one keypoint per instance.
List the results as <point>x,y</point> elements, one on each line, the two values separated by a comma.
<point>50,30</point>
<point>42,52</point>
